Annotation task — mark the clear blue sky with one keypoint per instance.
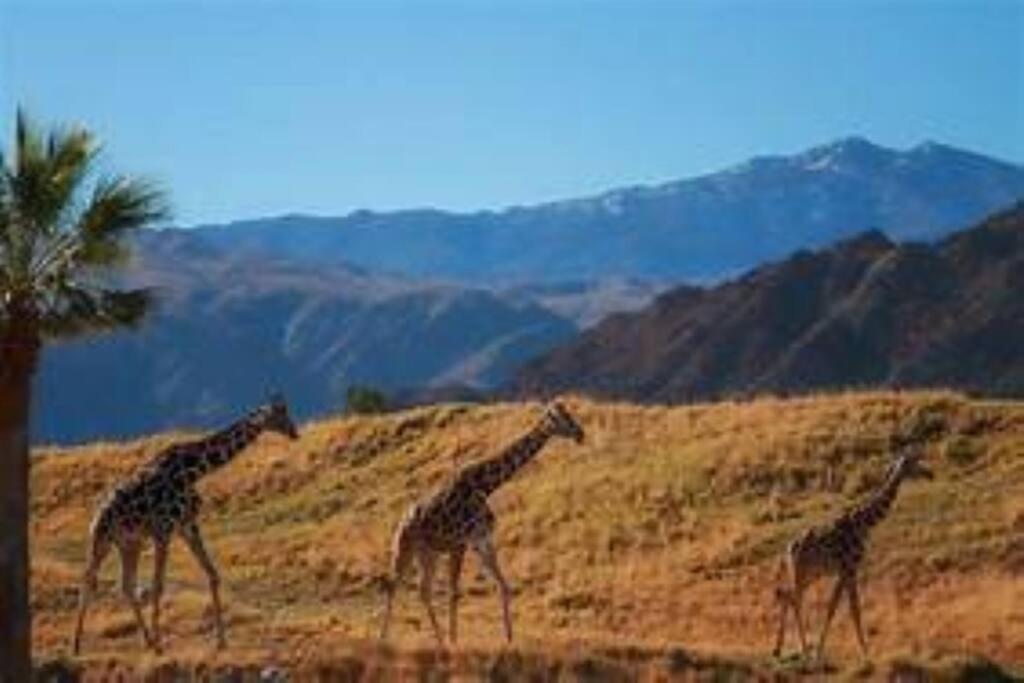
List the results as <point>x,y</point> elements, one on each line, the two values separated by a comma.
<point>252,108</point>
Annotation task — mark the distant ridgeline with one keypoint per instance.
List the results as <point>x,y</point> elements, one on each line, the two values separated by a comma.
<point>695,229</point>
<point>865,312</point>
<point>427,305</point>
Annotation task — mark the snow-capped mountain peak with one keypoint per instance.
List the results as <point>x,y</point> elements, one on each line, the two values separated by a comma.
<point>846,154</point>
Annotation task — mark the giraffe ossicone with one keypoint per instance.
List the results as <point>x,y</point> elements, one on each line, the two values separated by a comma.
<point>157,501</point>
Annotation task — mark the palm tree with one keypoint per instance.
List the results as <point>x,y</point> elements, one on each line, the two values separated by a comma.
<point>62,232</point>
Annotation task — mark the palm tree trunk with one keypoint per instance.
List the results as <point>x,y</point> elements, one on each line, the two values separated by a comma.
<point>17,366</point>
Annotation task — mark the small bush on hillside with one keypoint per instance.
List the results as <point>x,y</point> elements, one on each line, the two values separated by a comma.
<point>962,450</point>
<point>363,400</point>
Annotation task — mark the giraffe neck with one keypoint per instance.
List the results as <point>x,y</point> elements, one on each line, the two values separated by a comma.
<point>877,507</point>
<point>219,449</point>
<point>488,475</point>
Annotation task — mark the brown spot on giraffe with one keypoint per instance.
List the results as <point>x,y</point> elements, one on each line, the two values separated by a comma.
<point>159,500</point>
<point>838,548</point>
<point>458,516</point>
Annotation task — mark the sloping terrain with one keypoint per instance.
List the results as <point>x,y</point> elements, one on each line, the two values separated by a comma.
<point>699,228</point>
<point>866,312</point>
<point>648,551</point>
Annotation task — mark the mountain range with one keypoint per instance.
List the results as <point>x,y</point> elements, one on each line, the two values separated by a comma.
<point>229,329</point>
<point>697,229</point>
<point>865,312</point>
<point>425,303</point>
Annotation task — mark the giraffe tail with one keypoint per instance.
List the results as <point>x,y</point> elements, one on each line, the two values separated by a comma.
<point>401,553</point>
<point>99,545</point>
<point>401,548</point>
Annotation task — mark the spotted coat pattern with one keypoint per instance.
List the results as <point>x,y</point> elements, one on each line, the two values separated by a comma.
<point>838,548</point>
<point>159,500</point>
<point>458,516</point>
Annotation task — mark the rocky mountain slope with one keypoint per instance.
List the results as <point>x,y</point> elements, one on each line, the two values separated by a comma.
<point>866,312</point>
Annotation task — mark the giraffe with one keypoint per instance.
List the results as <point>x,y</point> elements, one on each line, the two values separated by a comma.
<point>457,516</point>
<point>838,548</point>
<point>160,499</point>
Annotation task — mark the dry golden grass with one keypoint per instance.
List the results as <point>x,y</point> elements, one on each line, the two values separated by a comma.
<point>647,551</point>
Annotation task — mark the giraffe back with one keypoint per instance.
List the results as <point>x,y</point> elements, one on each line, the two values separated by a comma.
<point>158,498</point>
<point>837,548</point>
<point>448,519</point>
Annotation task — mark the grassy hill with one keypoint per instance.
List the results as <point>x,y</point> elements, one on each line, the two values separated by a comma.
<point>648,552</point>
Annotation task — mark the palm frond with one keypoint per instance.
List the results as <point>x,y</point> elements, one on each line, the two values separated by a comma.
<point>70,156</point>
<point>48,172</point>
<point>80,310</point>
<point>58,236</point>
<point>117,205</point>
<point>28,144</point>
<point>6,219</point>
<point>53,261</point>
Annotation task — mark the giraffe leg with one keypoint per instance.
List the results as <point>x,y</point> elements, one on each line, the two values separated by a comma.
<point>837,593</point>
<point>854,595</point>
<point>454,572</point>
<point>485,549</point>
<point>427,561</point>
<point>783,600</point>
<point>159,573</point>
<point>98,550</point>
<point>194,540</point>
<point>796,603</point>
<point>399,568</point>
<point>130,551</point>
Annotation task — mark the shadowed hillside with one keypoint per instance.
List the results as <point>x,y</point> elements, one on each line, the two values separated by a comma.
<point>864,313</point>
<point>650,550</point>
<point>229,327</point>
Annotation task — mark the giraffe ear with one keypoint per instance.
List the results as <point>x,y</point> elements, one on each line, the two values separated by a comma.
<point>900,441</point>
<point>552,405</point>
<point>552,399</point>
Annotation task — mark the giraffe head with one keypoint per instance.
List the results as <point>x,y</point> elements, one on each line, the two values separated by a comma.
<point>908,464</point>
<point>274,417</point>
<point>561,423</point>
